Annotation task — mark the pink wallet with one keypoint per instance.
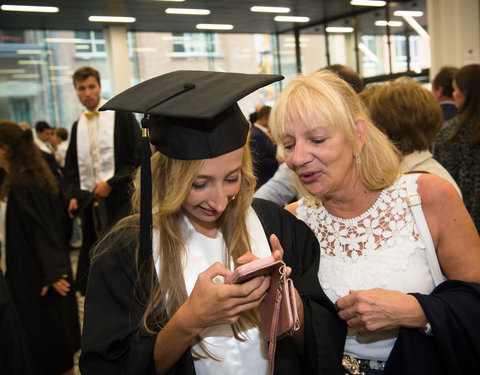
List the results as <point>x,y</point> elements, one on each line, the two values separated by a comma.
<point>278,310</point>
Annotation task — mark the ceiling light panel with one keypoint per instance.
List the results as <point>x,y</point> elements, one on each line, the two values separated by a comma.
<point>111,19</point>
<point>411,13</point>
<point>211,26</point>
<point>291,19</point>
<point>368,3</point>
<point>201,12</point>
<point>28,8</point>
<point>389,23</point>
<point>270,9</point>
<point>332,29</point>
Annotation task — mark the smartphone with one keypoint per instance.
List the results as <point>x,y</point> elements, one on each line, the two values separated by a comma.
<point>262,266</point>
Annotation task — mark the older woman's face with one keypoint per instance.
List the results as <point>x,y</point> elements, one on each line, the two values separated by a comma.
<point>458,96</point>
<point>321,157</point>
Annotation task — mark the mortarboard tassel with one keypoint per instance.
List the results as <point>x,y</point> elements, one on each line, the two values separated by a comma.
<point>146,196</point>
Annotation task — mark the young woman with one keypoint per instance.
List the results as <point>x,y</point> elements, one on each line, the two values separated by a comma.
<point>34,253</point>
<point>172,313</point>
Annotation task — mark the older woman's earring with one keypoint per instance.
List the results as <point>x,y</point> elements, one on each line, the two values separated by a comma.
<point>232,198</point>
<point>357,160</point>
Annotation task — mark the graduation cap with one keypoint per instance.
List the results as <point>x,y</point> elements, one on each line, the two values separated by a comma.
<point>190,115</point>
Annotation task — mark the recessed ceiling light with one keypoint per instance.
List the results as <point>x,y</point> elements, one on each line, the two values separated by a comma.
<point>28,8</point>
<point>111,19</point>
<point>270,9</point>
<point>63,40</point>
<point>368,3</point>
<point>411,13</point>
<point>212,26</point>
<point>187,11</point>
<point>26,76</point>
<point>389,23</point>
<point>30,62</point>
<point>12,71</point>
<point>333,29</point>
<point>59,67</point>
<point>291,19</point>
<point>29,51</point>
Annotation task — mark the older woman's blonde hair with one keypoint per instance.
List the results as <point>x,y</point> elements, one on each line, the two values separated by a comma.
<point>324,99</point>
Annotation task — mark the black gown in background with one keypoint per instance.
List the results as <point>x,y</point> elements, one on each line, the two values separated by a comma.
<point>37,255</point>
<point>112,342</point>
<point>126,143</point>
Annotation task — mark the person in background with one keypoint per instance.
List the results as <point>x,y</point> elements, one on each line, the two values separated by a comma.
<point>44,134</point>
<point>103,152</point>
<point>281,187</point>
<point>253,116</point>
<point>264,151</point>
<point>442,88</point>
<point>61,143</point>
<point>348,75</point>
<point>34,253</point>
<point>457,145</point>
<point>374,264</point>
<point>44,142</point>
<point>169,311</point>
<point>410,116</point>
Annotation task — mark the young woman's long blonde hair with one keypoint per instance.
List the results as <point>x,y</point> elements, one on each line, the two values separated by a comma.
<point>172,180</point>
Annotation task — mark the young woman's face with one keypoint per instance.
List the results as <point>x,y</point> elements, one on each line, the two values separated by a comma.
<point>217,182</point>
<point>321,158</point>
<point>458,96</point>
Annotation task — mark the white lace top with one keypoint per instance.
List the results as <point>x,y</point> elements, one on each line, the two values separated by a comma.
<point>379,249</point>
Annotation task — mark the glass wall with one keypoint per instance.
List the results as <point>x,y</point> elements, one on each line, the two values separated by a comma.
<point>37,66</point>
<point>313,49</point>
<point>36,74</point>
<point>244,53</point>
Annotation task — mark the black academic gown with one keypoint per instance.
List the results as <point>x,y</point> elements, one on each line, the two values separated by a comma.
<point>453,310</point>
<point>36,256</point>
<point>126,143</point>
<point>113,343</point>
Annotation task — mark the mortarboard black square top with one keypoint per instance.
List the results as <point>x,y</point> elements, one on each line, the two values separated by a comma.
<point>193,114</point>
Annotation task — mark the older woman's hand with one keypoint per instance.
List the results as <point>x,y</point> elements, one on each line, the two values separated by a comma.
<point>380,309</point>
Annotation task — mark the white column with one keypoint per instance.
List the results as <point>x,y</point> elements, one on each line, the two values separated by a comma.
<point>454,28</point>
<point>117,57</point>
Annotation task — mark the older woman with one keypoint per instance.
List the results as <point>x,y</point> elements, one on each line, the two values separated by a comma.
<point>372,250</point>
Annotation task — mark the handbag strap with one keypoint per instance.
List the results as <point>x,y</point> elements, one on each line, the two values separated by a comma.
<point>273,328</point>
<point>414,201</point>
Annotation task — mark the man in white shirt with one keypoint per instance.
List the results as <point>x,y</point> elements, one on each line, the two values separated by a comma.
<point>103,153</point>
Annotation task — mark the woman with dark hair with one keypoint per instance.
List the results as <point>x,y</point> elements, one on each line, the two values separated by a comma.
<point>457,145</point>
<point>34,257</point>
